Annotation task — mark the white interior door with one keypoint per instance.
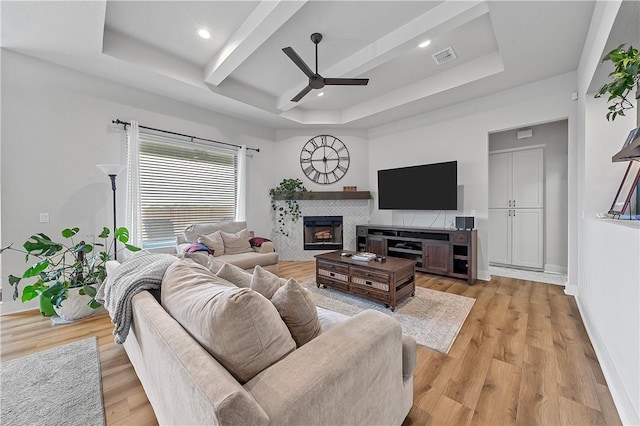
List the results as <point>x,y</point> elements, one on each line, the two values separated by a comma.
<point>528,241</point>
<point>500,180</point>
<point>528,179</point>
<point>500,236</point>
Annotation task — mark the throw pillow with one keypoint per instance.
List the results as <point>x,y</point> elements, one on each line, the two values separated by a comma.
<point>298,311</point>
<point>195,247</point>
<point>237,326</point>
<point>214,242</point>
<point>264,282</point>
<point>257,241</point>
<point>235,275</point>
<point>236,243</point>
<point>214,265</point>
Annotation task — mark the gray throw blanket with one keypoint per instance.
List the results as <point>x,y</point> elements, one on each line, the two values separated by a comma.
<point>143,271</point>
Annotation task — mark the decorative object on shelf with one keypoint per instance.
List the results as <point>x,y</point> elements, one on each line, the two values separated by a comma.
<point>316,81</point>
<point>350,188</point>
<point>324,159</point>
<point>112,170</point>
<point>63,267</point>
<point>625,76</point>
<point>288,213</point>
<point>626,189</point>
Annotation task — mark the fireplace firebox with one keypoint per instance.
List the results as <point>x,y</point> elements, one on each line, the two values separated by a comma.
<point>322,232</point>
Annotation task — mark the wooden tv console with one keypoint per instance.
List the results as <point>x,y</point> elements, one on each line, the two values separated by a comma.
<point>448,252</point>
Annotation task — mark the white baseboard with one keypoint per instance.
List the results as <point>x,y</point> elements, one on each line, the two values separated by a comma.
<point>484,276</point>
<point>555,269</point>
<point>570,290</point>
<point>621,398</point>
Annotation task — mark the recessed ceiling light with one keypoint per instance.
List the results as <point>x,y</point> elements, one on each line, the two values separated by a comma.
<point>205,34</point>
<point>321,94</point>
<point>425,43</point>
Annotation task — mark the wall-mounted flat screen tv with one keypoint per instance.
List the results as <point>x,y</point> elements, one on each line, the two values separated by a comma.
<point>425,187</point>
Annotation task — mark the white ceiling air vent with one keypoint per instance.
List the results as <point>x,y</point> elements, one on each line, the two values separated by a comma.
<point>443,56</point>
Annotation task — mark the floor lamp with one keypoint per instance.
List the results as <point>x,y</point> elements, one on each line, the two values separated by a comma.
<point>112,171</point>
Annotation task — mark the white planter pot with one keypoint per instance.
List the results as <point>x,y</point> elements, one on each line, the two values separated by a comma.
<point>75,306</point>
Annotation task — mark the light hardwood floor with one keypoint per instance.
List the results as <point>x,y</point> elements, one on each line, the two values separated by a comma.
<point>522,357</point>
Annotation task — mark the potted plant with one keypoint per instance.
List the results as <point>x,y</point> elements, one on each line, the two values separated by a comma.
<point>66,271</point>
<point>625,77</point>
<point>289,212</point>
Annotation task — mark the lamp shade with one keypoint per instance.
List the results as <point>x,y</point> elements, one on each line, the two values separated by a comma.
<point>111,169</point>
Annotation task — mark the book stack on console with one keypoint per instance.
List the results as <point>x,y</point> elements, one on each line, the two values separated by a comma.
<point>365,257</point>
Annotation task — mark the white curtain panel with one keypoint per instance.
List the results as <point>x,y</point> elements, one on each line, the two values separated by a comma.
<point>133,217</point>
<point>241,200</point>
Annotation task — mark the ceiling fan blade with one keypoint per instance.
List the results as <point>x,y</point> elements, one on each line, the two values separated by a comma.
<point>298,61</point>
<point>300,95</point>
<point>346,81</point>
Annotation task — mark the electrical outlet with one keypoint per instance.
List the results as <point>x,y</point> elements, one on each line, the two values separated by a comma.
<point>44,217</point>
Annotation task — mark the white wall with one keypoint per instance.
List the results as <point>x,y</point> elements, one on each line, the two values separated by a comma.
<point>553,138</point>
<point>461,133</point>
<point>606,252</point>
<point>57,126</point>
<point>289,145</point>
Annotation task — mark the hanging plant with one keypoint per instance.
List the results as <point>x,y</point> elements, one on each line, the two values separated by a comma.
<point>626,77</point>
<point>288,212</point>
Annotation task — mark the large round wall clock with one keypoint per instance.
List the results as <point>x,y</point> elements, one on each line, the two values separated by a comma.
<point>324,159</point>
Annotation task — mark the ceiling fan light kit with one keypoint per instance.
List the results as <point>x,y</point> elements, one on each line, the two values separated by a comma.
<point>316,81</point>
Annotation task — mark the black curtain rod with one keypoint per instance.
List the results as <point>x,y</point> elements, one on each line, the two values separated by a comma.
<point>125,124</point>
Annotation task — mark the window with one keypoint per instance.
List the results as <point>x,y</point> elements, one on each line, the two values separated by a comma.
<point>183,183</point>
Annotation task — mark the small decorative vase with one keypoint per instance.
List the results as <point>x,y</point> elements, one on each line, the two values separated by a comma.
<point>75,306</point>
<point>46,308</point>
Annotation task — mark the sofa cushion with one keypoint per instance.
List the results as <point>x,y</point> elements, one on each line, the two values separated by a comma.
<point>192,232</point>
<point>266,283</point>
<point>214,241</point>
<point>237,242</point>
<point>238,326</point>
<point>235,275</point>
<point>251,259</point>
<point>298,311</point>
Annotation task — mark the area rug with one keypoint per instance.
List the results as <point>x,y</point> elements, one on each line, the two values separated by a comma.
<point>432,318</point>
<point>59,386</point>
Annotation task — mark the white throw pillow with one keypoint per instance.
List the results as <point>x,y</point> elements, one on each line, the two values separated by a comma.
<point>239,327</point>
<point>236,243</point>
<point>214,242</point>
<point>266,283</point>
<point>298,311</point>
<point>234,275</point>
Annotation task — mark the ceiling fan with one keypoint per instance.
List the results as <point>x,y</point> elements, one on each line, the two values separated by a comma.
<point>316,81</point>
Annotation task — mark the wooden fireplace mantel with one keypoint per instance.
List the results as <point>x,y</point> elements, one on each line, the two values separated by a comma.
<point>330,195</point>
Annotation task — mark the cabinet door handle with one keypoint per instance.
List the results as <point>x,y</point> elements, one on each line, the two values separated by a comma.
<point>514,213</point>
<point>514,203</point>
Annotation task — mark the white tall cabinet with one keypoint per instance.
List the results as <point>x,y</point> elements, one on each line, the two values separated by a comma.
<point>516,208</point>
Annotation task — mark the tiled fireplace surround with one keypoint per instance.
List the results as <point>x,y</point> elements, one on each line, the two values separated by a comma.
<point>353,212</point>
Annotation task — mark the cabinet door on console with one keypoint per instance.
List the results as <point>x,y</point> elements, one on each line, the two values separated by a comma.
<point>377,246</point>
<point>435,256</point>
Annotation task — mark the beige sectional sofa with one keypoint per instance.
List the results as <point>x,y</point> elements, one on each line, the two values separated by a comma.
<point>265,255</point>
<point>357,371</point>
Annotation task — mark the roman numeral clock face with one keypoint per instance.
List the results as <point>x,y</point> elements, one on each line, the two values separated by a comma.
<point>324,159</point>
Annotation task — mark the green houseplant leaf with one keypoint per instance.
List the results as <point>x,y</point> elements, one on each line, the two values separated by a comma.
<point>625,77</point>
<point>288,213</point>
<point>65,264</point>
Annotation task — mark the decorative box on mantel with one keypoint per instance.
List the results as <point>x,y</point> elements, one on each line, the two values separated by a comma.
<point>353,206</point>
<point>330,195</point>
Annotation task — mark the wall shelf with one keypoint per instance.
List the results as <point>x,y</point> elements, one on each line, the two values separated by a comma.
<point>330,195</point>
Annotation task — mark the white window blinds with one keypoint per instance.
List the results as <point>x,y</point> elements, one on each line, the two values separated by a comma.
<point>183,183</point>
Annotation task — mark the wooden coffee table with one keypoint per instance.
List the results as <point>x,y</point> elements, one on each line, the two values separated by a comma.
<point>386,282</point>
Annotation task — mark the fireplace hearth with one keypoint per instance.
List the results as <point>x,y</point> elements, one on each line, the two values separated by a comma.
<point>322,232</point>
